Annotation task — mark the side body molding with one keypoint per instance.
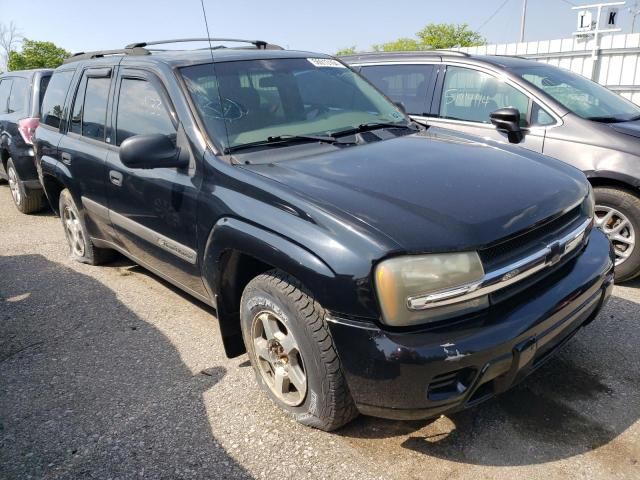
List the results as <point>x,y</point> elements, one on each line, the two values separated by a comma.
<point>231,238</point>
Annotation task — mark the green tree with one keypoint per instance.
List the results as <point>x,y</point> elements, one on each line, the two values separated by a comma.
<point>401,44</point>
<point>37,54</point>
<point>434,36</point>
<point>448,35</point>
<point>347,51</point>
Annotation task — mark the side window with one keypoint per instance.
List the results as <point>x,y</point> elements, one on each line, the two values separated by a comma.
<point>75,125</point>
<point>53,102</point>
<point>89,110</point>
<point>141,110</point>
<point>471,95</point>
<point>94,110</point>
<point>5,89</point>
<point>540,117</point>
<point>44,83</point>
<point>19,96</point>
<point>406,84</point>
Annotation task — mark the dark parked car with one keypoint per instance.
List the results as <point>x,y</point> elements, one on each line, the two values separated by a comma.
<point>364,263</point>
<point>21,93</point>
<point>548,110</point>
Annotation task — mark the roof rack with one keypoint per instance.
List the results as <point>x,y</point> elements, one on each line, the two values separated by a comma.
<point>413,52</point>
<point>259,44</point>
<point>138,47</point>
<point>103,53</point>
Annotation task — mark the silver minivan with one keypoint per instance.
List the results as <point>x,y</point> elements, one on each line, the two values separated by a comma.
<point>537,106</point>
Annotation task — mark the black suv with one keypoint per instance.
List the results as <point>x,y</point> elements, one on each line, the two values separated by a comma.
<point>21,93</point>
<point>364,263</point>
<point>537,106</point>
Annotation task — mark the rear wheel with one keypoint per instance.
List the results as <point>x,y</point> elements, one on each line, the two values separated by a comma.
<point>80,245</point>
<point>24,200</point>
<point>292,352</point>
<point>618,215</point>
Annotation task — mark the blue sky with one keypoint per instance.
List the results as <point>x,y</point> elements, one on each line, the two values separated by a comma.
<point>323,26</point>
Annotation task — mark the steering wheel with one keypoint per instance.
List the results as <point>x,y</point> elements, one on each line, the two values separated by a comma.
<point>318,108</point>
<point>227,110</point>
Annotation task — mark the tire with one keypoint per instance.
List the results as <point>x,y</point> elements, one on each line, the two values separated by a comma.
<point>324,402</point>
<point>618,215</point>
<point>25,201</point>
<point>81,247</point>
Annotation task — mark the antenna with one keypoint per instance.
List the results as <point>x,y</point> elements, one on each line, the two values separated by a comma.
<point>213,66</point>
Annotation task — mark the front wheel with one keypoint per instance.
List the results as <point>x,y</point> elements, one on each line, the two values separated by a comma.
<point>618,216</point>
<point>292,352</point>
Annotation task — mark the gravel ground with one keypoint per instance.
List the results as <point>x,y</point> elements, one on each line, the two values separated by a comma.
<point>109,372</point>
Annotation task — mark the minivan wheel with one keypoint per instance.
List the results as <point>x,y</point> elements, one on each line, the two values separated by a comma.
<point>25,201</point>
<point>292,352</point>
<point>80,245</point>
<point>618,215</point>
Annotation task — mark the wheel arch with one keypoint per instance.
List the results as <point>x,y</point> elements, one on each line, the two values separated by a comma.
<point>235,253</point>
<point>614,180</point>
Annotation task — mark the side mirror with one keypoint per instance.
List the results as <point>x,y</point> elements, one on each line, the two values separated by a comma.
<point>508,120</point>
<point>151,151</point>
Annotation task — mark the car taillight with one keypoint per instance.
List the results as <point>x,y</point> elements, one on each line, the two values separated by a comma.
<point>27,127</point>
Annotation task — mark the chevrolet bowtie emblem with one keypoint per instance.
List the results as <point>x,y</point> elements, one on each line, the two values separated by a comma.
<point>556,251</point>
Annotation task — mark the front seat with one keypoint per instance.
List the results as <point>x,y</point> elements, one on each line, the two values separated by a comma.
<point>484,106</point>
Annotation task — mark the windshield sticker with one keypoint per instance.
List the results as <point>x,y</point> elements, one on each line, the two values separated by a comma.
<point>325,62</point>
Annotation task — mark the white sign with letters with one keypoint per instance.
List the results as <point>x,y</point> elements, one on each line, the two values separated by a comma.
<point>585,20</point>
<point>612,17</point>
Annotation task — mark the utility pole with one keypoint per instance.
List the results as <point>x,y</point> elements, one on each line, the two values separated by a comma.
<point>634,11</point>
<point>524,17</point>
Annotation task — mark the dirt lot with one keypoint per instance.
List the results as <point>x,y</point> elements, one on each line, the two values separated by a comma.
<point>108,372</point>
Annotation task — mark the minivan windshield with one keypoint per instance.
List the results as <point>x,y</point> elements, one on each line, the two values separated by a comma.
<point>580,95</point>
<point>253,101</point>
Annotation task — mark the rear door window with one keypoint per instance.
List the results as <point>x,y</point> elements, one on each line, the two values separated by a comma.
<point>94,110</point>
<point>19,96</point>
<point>5,89</point>
<point>405,84</point>
<point>53,102</point>
<point>89,111</point>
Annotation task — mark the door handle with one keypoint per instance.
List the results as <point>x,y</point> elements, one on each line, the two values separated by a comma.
<point>66,158</point>
<point>115,178</point>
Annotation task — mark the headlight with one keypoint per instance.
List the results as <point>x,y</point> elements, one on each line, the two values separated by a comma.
<point>589,204</point>
<point>408,285</point>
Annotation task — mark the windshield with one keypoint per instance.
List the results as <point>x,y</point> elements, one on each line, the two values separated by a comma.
<point>245,102</point>
<point>583,97</point>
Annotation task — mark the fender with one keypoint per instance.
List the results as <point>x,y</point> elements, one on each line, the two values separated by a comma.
<point>632,182</point>
<point>230,236</point>
<point>50,167</point>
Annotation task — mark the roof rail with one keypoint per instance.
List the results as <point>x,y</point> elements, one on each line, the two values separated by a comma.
<point>259,44</point>
<point>451,52</point>
<point>412,52</point>
<point>103,53</point>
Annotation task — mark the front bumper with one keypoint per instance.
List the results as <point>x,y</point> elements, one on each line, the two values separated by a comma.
<point>421,374</point>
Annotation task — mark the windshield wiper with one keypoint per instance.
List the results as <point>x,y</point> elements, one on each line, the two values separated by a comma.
<point>282,140</point>
<point>365,127</point>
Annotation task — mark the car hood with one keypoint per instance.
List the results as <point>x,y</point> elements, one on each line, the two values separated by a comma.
<point>628,128</point>
<point>434,192</point>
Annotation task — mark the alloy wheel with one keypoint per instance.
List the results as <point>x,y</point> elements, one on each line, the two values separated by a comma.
<point>74,231</point>
<point>14,186</point>
<point>279,359</point>
<point>619,229</point>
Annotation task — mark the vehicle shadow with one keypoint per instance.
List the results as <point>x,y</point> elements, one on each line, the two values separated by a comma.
<point>582,399</point>
<point>88,389</point>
